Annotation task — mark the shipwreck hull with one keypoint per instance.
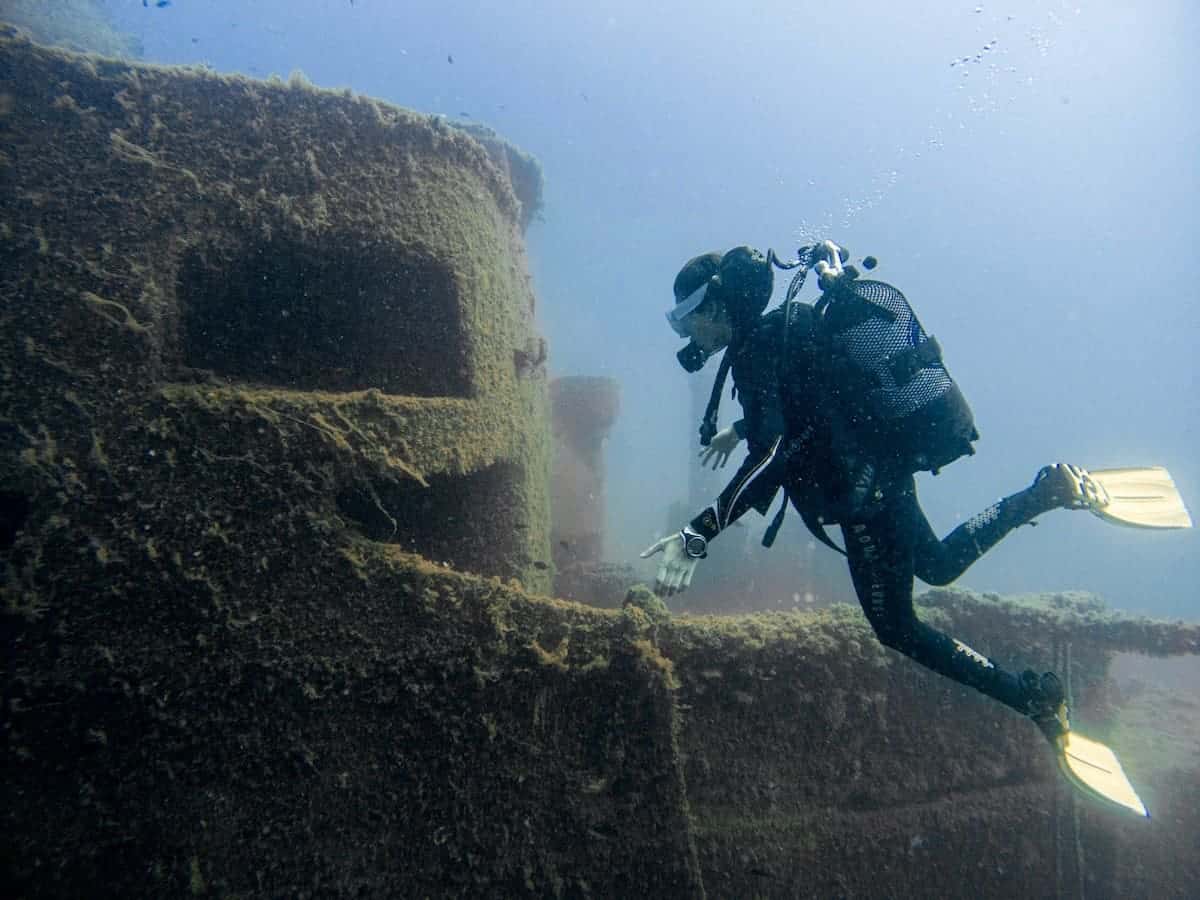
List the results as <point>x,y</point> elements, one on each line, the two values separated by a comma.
<point>275,543</point>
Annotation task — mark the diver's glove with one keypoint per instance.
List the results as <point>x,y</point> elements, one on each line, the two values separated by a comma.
<point>681,552</point>
<point>723,443</point>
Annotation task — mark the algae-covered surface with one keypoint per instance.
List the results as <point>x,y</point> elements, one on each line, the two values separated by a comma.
<point>238,272</point>
<point>274,557</point>
<point>1157,718</point>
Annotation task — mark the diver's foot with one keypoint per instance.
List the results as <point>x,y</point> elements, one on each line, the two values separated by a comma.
<point>1063,486</point>
<point>1046,703</point>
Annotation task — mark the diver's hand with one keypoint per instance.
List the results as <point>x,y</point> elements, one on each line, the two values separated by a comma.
<point>676,568</point>
<point>723,443</point>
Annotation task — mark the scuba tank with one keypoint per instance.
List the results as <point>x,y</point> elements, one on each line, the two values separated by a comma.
<point>894,402</point>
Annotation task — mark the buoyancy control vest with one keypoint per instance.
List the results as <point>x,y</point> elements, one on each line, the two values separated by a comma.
<point>872,377</point>
<point>896,399</point>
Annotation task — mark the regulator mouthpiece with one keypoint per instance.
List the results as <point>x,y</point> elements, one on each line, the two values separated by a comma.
<point>692,357</point>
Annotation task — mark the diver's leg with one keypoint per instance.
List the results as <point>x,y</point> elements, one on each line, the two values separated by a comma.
<point>880,551</point>
<point>941,562</point>
<point>936,561</point>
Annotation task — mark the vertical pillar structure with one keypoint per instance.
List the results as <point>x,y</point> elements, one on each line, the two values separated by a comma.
<point>583,410</point>
<point>333,287</point>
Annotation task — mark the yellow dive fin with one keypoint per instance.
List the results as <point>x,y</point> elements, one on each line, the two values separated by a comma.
<point>1093,768</point>
<point>1140,498</point>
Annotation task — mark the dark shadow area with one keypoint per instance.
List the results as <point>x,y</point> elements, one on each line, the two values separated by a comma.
<point>14,510</point>
<point>462,520</point>
<point>342,315</point>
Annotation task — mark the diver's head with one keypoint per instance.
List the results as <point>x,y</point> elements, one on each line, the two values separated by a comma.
<point>708,325</point>
<point>697,312</point>
<point>717,297</point>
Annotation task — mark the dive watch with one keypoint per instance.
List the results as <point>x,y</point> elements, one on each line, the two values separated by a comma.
<point>695,545</point>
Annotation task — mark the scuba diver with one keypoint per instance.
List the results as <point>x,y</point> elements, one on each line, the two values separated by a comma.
<point>843,402</point>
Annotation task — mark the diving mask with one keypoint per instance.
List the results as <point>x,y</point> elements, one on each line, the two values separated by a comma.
<point>684,308</point>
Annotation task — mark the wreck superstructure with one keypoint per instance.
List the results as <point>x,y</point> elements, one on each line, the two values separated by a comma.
<point>275,527</point>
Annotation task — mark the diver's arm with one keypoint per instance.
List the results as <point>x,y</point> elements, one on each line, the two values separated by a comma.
<point>759,477</point>
<point>762,472</point>
<point>754,485</point>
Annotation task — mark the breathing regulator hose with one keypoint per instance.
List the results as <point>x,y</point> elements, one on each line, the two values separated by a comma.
<point>826,258</point>
<point>829,259</point>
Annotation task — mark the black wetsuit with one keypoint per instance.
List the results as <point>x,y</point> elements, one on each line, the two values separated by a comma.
<point>788,430</point>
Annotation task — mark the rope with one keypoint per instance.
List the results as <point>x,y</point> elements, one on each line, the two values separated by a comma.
<point>1079,870</point>
<point>1058,795</point>
<point>1061,654</point>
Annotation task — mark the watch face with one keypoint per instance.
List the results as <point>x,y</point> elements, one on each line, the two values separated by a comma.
<point>696,546</point>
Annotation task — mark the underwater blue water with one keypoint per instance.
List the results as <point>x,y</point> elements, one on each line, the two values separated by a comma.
<point>1025,172</point>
